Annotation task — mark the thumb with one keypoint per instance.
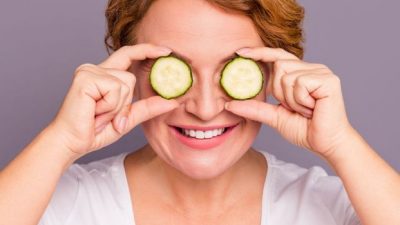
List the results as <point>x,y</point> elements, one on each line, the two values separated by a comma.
<point>255,110</point>
<point>146,109</point>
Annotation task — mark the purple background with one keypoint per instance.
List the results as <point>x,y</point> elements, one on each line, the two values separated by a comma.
<point>43,41</point>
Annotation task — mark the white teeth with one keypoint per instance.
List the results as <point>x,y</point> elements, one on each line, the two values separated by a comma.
<point>208,134</point>
<point>215,132</point>
<point>199,134</point>
<point>203,134</point>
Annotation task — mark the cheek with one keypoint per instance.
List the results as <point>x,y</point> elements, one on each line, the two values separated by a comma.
<point>156,133</point>
<point>252,130</point>
<point>142,87</point>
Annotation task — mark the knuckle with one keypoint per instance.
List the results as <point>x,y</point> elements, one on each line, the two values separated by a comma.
<point>81,77</point>
<point>147,109</point>
<point>149,45</point>
<point>335,79</point>
<point>83,67</point>
<point>125,89</point>
<point>301,97</point>
<point>115,85</point>
<point>131,79</point>
<point>323,67</point>
<point>286,80</point>
<point>282,63</point>
<point>125,48</point>
<point>278,64</point>
<point>281,50</point>
<point>320,65</point>
<point>82,73</point>
<point>301,81</point>
<point>146,46</point>
<point>277,93</point>
<point>153,46</point>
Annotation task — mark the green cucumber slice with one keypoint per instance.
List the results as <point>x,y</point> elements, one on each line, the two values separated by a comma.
<point>170,77</point>
<point>242,78</point>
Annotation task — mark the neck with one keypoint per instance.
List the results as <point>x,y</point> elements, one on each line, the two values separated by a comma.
<point>237,184</point>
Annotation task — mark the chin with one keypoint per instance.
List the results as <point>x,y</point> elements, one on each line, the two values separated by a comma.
<point>204,175</point>
<point>200,170</point>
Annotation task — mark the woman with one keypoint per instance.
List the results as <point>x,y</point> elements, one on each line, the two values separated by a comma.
<point>201,181</point>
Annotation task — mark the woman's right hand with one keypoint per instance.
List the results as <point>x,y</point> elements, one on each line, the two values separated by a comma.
<point>98,108</point>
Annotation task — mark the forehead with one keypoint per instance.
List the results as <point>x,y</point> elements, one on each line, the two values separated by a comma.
<point>196,27</point>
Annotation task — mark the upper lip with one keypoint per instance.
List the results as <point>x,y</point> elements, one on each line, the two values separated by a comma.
<point>204,128</point>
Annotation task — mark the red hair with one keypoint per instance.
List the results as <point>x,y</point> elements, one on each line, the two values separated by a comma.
<point>279,22</point>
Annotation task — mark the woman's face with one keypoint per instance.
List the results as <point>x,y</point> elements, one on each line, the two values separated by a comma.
<point>206,37</point>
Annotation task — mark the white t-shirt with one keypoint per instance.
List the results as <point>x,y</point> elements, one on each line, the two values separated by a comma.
<point>97,194</point>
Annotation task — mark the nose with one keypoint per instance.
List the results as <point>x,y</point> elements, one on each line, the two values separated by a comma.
<point>205,100</point>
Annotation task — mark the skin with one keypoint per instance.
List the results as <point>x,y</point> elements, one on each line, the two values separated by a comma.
<point>201,184</point>
<point>98,110</point>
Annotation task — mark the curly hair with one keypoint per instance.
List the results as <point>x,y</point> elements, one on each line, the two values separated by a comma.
<point>278,22</point>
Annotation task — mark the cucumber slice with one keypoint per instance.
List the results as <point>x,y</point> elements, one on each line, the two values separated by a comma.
<point>242,78</point>
<point>170,77</point>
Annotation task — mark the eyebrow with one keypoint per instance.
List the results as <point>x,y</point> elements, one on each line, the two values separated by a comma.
<point>188,60</point>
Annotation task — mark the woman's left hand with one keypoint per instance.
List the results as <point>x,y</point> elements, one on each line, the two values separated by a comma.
<point>311,113</point>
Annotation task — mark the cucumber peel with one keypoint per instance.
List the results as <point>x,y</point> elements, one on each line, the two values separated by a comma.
<point>170,77</point>
<point>242,78</point>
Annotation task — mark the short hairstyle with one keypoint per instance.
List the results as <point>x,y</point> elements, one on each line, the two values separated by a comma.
<point>278,22</point>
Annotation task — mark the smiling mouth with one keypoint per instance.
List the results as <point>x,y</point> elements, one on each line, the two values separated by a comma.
<point>203,134</point>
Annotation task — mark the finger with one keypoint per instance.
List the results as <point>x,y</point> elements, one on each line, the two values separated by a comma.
<point>110,89</point>
<point>255,110</point>
<point>112,115</point>
<point>266,54</point>
<point>127,78</point>
<point>283,67</point>
<point>146,109</point>
<point>321,85</point>
<point>100,86</point>
<point>120,121</point>
<point>269,81</point>
<point>287,83</point>
<point>117,80</point>
<point>301,94</point>
<point>115,121</point>
<point>122,58</point>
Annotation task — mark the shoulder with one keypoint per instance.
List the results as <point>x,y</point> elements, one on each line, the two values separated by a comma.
<point>85,188</point>
<point>92,174</point>
<point>289,174</point>
<point>308,193</point>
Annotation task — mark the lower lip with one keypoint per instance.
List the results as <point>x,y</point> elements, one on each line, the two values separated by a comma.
<point>203,144</point>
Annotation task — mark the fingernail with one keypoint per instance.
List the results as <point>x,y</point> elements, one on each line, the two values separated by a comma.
<point>122,124</point>
<point>243,51</point>
<point>164,50</point>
